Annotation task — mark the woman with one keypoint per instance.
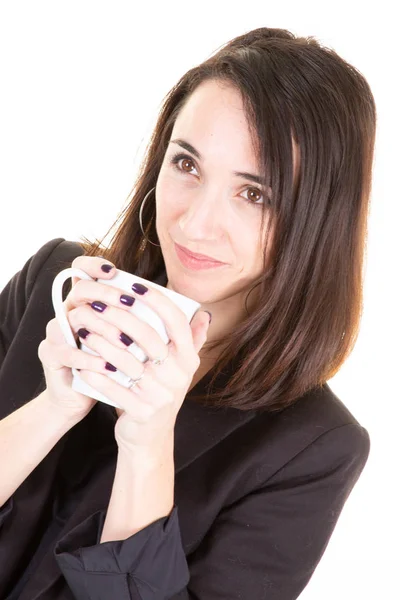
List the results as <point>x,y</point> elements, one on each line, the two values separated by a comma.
<point>224,471</point>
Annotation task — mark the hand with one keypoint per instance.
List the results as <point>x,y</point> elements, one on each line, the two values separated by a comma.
<point>57,356</point>
<point>150,407</point>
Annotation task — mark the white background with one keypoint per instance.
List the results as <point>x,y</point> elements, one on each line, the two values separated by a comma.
<point>81,84</point>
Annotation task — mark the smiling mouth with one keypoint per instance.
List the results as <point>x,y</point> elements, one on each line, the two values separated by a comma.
<point>201,257</point>
<point>188,261</point>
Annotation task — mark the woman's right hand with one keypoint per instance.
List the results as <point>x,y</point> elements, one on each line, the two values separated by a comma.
<point>58,357</point>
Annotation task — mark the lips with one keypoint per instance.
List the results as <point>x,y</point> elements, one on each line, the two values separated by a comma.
<point>201,257</point>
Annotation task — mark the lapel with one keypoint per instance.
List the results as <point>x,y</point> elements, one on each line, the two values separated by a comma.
<point>89,453</point>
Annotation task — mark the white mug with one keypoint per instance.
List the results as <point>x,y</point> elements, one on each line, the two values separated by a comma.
<point>123,281</point>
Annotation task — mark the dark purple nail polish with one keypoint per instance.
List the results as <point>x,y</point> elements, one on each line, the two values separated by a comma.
<point>110,367</point>
<point>128,300</point>
<point>139,288</point>
<point>125,339</point>
<point>83,333</point>
<point>106,268</point>
<point>99,306</point>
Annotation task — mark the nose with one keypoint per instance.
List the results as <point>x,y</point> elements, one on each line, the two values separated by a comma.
<point>204,215</point>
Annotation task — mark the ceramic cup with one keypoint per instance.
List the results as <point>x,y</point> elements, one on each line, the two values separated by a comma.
<point>123,281</point>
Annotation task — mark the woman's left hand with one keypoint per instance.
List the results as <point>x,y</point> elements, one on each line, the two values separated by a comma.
<point>150,407</point>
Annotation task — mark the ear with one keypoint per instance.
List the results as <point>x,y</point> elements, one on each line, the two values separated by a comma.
<point>199,325</point>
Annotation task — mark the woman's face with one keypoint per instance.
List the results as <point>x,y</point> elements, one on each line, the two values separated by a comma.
<point>203,205</point>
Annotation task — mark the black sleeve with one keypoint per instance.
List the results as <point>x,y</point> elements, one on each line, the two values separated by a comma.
<point>149,564</point>
<point>6,510</point>
<point>14,297</point>
<point>266,545</point>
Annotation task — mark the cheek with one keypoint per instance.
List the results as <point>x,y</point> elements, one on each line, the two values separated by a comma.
<point>169,197</point>
<point>244,245</point>
<point>252,248</point>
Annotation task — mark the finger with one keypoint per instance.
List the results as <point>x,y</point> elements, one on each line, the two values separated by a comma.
<point>139,410</point>
<point>86,291</point>
<point>54,332</point>
<point>199,326</point>
<point>92,265</point>
<point>118,327</point>
<point>174,319</point>
<point>55,357</point>
<point>117,358</point>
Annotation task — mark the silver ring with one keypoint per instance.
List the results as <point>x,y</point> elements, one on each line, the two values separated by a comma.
<point>155,361</point>
<point>160,361</point>
<point>133,382</point>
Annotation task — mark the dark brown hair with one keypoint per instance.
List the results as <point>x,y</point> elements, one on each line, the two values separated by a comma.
<point>307,316</point>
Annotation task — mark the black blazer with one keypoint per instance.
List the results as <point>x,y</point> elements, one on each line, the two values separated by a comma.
<point>257,496</point>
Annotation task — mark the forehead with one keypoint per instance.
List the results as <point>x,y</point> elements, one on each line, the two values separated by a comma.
<point>214,121</point>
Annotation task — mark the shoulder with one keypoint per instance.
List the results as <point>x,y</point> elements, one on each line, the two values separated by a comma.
<point>55,255</point>
<point>34,278</point>
<point>315,434</point>
<point>27,295</point>
<point>39,271</point>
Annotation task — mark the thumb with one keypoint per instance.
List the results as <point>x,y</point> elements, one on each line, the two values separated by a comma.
<point>200,324</point>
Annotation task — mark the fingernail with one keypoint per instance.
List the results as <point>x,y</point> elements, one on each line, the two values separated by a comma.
<point>139,288</point>
<point>107,268</point>
<point>209,314</point>
<point>110,367</point>
<point>128,300</point>
<point>99,306</point>
<point>125,339</point>
<point>83,333</point>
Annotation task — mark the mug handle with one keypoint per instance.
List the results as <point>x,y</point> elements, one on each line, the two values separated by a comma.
<point>59,309</point>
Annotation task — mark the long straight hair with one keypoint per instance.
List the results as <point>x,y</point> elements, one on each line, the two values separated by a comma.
<point>307,316</point>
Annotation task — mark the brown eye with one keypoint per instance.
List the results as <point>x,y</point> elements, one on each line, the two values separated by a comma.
<point>254,195</point>
<point>187,165</point>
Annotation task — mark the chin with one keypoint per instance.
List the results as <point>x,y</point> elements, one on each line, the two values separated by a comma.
<point>192,288</point>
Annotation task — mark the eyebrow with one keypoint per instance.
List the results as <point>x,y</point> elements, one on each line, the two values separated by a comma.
<point>196,153</point>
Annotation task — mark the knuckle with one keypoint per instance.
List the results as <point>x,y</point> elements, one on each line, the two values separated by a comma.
<point>49,355</point>
<point>103,328</point>
<point>146,332</point>
<point>52,327</point>
<point>89,362</point>
<point>67,355</point>
<point>85,263</point>
<point>79,294</point>
<point>54,334</point>
<point>91,265</point>
<point>76,315</point>
<point>110,295</point>
<point>42,349</point>
<point>80,288</point>
<point>76,262</point>
<point>77,359</point>
<point>196,361</point>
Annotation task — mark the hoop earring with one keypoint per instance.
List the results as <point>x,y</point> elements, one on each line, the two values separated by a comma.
<point>141,224</point>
